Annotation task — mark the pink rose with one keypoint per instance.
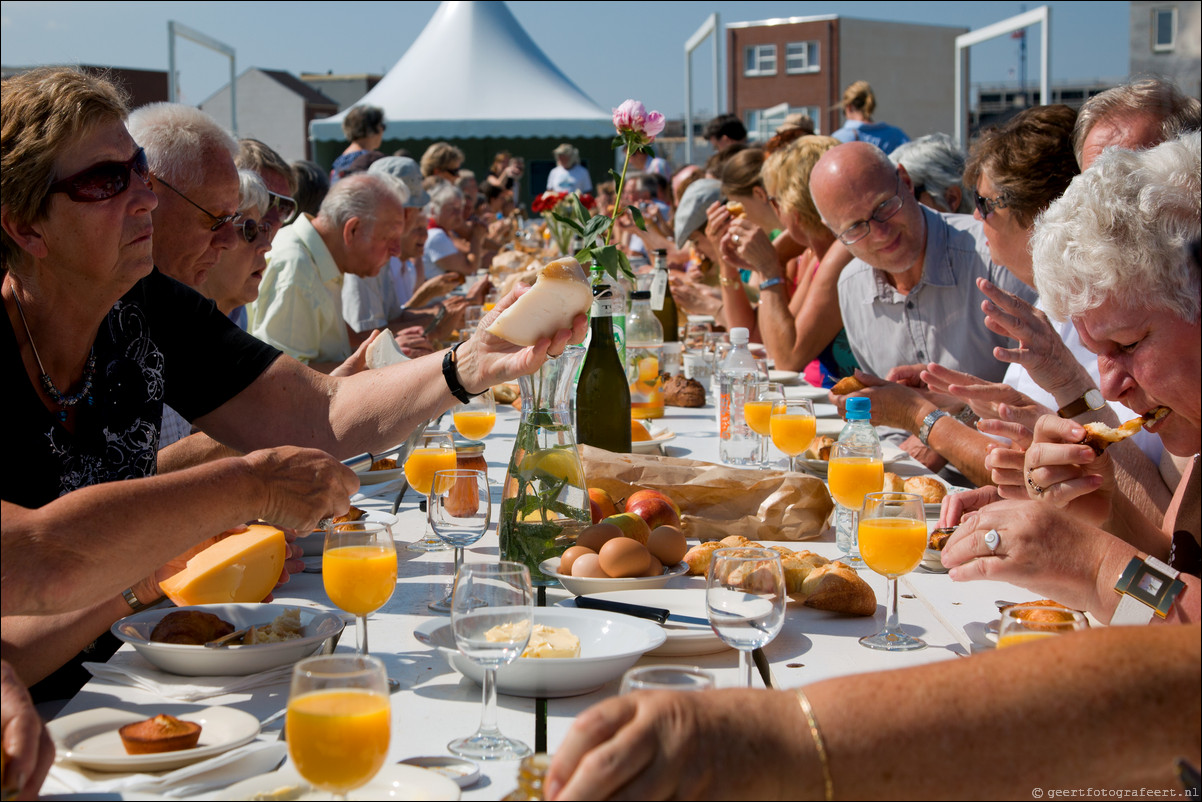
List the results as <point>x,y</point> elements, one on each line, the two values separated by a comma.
<point>654,125</point>
<point>630,116</point>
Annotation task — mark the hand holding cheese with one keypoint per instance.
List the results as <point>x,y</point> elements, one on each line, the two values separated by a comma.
<point>560,293</point>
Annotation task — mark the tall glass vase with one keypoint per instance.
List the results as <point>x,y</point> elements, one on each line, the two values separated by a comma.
<point>544,502</point>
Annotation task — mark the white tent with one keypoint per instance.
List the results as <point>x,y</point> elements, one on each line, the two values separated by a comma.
<point>475,72</point>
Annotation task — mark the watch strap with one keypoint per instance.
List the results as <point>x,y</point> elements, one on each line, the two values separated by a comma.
<point>451,376</point>
<point>134,603</point>
<point>772,282</point>
<point>928,423</point>
<point>1146,587</point>
<point>1082,405</point>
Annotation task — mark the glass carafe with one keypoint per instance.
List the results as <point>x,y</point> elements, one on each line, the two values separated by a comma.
<point>544,503</point>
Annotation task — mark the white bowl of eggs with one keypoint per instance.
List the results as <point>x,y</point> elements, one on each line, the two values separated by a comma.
<point>604,559</point>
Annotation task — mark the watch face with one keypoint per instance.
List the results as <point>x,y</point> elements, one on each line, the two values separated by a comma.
<point>1094,399</point>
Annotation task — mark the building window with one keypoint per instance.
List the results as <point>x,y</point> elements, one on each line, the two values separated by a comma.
<point>1164,29</point>
<point>801,57</point>
<point>761,126</point>
<point>759,60</point>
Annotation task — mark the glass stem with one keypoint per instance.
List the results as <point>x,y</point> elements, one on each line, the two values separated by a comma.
<point>488,716</point>
<point>891,617</point>
<point>793,462</point>
<point>745,668</point>
<point>458,563</point>
<point>361,634</point>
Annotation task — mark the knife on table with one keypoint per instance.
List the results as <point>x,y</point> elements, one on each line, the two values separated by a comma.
<point>657,614</point>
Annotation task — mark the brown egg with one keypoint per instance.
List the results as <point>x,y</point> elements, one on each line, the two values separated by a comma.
<point>668,544</point>
<point>654,566</point>
<point>588,565</point>
<point>596,535</point>
<point>569,557</point>
<point>623,556</point>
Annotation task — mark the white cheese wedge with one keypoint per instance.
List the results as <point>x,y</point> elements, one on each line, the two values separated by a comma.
<point>384,352</point>
<point>560,292</point>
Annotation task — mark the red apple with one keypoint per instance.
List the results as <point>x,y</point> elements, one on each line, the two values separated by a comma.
<point>632,526</point>
<point>655,508</point>
<point>601,504</point>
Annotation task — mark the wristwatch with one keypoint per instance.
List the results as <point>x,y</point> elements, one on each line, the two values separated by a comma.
<point>1090,401</point>
<point>1146,586</point>
<point>928,423</point>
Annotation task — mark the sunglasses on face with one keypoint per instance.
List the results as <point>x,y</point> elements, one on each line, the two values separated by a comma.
<point>218,221</point>
<point>103,181</point>
<point>251,229</point>
<point>986,206</point>
<point>286,206</point>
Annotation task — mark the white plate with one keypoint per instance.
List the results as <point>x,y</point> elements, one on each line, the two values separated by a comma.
<point>609,644</point>
<point>197,661</point>
<point>683,639</point>
<point>90,738</point>
<point>784,376</point>
<point>889,452</point>
<point>932,561</point>
<point>588,586</point>
<point>805,390</point>
<point>660,435</point>
<point>463,773</point>
<point>824,410</point>
<point>393,782</point>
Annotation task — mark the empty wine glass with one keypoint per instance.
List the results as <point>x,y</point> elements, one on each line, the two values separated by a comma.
<point>459,511</point>
<point>745,600</point>
<point>433,451</point>
<point>492,615</point>
<point>893,536</point>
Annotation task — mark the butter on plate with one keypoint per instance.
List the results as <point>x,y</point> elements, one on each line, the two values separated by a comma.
<point>544,641</point>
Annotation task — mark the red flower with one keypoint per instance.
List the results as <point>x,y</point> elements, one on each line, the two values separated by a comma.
<point>588,200</point>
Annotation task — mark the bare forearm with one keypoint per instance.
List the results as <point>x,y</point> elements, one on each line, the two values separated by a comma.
<point>962,446</point>
<point>195,449</point>
<point>36,646</point>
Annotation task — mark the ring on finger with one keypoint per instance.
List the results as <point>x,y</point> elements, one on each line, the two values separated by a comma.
<point>1031,483</point>
<point>735,238</point>
<point>993,540</point>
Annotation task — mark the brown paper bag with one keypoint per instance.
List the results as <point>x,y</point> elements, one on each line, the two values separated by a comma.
<point>717,500</point>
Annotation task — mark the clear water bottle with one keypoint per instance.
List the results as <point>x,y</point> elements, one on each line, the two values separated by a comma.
<point>738,444</point>
<point>855,468</point>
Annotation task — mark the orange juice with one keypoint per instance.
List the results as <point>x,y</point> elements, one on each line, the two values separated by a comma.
<point>892,546</point>
<point>474,424</point>
<point>792,433</point>
<point>1015,638</point>
<point>757,413</point>
<point>359,579</point>
<point>646,386</point>
<point>338,739</point>
<point>423,463</point>
<point>851,478</point>
<point>488,307</point>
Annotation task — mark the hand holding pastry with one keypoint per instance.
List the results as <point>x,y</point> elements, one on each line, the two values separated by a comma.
<point>1059,468</point>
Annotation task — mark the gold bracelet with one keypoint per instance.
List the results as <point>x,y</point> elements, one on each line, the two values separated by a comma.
<point>819,744</point>
<point>730,282</point>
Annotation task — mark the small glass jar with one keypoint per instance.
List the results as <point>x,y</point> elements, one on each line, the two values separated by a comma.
<point>469,456</point>
<point>531,774</point>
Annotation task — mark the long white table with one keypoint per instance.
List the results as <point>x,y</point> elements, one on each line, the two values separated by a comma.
<point>436,705</point>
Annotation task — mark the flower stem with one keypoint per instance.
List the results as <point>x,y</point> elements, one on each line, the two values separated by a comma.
<point>621,184</point>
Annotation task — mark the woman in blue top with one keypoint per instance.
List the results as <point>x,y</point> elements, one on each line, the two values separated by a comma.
<point>858,105</point>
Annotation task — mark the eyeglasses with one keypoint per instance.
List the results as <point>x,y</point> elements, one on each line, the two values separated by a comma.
<point>103,181</point>
<point>218,221</point>
<point>986,206</point>
<point>287,207</point>
<point>251,229</point>
<point>858,231</point>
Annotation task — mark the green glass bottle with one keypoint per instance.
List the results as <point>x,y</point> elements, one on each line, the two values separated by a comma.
<point>602,394</point>
<point>662,302</point>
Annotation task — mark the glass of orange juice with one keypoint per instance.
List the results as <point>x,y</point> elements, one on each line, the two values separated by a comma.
<point>893,536</point>
<point>358,569</point>
<point>476,419</point>
<point>1023,623</point>
<point>854,471</point>
<point>433,451</point>
<point>758,409</point>
<point>792,426</point>
<point>339,722</point>
<point>460,511</point>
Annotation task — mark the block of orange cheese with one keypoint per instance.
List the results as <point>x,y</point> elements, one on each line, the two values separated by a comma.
<point>241,568</point>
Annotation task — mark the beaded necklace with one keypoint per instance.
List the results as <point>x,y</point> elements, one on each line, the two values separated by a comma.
<point>64,402</point>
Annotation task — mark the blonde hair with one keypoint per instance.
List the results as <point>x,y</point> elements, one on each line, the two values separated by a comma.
<point>787,177</point>
<point>859,96</point>
<point>43,113</point>
<point>441,156</point>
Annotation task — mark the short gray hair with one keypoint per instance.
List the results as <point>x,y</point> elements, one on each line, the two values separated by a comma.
<point>1179,113</point>
<point>441,194</point>
<point>252,193</point>
<point>361,195</point>
<point>1120,231</point>
<point>935,163</point>
<point>177,139</point>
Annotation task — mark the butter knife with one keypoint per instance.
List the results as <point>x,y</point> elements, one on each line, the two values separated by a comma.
<point>657,614</point>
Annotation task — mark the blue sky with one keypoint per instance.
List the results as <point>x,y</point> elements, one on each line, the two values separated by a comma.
<point>611,50</point>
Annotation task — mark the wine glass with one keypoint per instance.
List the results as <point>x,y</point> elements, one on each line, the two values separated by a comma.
<point>793,425</point>
<point>492,615</point>
<point>358,569</point>
<point>745,600</point>
<point>339,721</point>
<point>460,511</point>
<point>853,472</point>
<point>893,536</point>
<point>666,678</point>
<point>758,410</point>
<point>476,419</point>
<point>1023,623</point>
<point>433,451</point>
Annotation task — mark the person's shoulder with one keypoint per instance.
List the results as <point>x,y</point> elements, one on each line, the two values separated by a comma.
<point>856,271</point>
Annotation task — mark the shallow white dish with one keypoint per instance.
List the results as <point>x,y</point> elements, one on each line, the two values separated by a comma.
<point>824,410</point>
<point>683,640</point>
<point>609,644</point>
<point>932,561</point>
<point>394,781</point>
<point>588,586</point>
<point>784,376</point>
<point>806,390</point>
<point>90,738</point>
<point>889,452</point>
<point>197,661</point>
<point>660,435</point>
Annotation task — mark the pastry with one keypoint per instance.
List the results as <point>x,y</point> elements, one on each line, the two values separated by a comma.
<point>848,384</point>
<point>939,538</point>
<point>1047,612</point>
<point>931,489</point>
<point>682,392</point>
<point>161,733</point>
<point>1098,435</point>
<point>893,483</point>
<point>505,393</point>
<point>353,514</point>
<point>736,209</point>
<point>820,448</point>
<point>839,589</point>
<point>383,464</point>
<point>698,558</point>
<point>192,627</point>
